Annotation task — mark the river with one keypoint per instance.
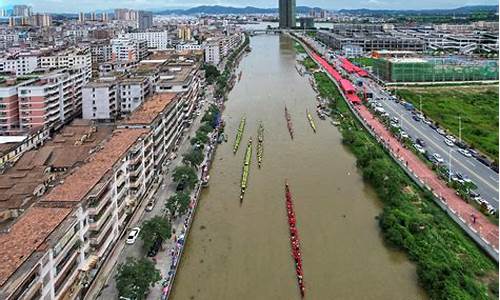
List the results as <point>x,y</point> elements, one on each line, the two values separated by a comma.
<point>242,251</point>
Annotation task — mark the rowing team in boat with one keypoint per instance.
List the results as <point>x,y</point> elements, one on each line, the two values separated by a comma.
<point>311,121</point>
<point>239,134</point>
<point>246,168</point>
<point>260,144</point>
<point>294,240</point>
<point>289,122</point>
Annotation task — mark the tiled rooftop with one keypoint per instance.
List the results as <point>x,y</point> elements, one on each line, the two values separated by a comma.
<point>83,179</point>
<point>149,110</point>
<point>26,236</point>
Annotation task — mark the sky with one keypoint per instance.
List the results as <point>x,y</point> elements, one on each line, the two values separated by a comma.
<point>59,6</point>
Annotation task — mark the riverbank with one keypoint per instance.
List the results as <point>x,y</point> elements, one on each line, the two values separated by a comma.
<point>449,264</point>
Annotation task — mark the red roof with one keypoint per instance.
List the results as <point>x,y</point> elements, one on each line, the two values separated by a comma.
<point>349,67</point>
<point>347,86</point>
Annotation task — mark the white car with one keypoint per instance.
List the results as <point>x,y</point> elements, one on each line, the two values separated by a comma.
<point>427,121</point>
<point>403,134</point>
<point>440,131</point>
<point>438,158</point>
<point>448,142</point>
<point>451,138</point>
<point>464,152</point>
<point>132,236</point>
<point>150,205</point>
<point>419,148</point>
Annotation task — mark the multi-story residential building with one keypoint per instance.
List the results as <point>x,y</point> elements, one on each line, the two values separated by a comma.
<point>51,100</point>
<point>144,19</point>
<point>41,20</point>
<point>124,14</point>
<point>101,51</point>
<point>212,52</point>
<point>70,58</point>
<point>188,47</point>
<point>133,92</point>
<point>125,49</point>
<point>9,107</point>
<point>155,40</point>
<point>184,33</point>
<point>19,64</point>
<point>21,10</point>
<point>54,249</point>
<point>101,100</point>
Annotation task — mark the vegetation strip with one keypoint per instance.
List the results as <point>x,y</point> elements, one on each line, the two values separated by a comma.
<point>449,264</point>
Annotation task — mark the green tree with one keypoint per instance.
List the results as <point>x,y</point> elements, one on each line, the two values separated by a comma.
<point>178,203</point>
<point>211,73</point>
<point>135,277</point>
<point>186,174</point>
<point>199,138</point>
<point>154,228</point>
<point>193,158</point>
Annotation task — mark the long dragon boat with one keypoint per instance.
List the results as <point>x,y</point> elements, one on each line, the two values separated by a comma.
<point>260,144</point>
<point>246,169</point>
<point>289,122</point>
<point>311,121</point>
<point>239,134</point>
<point>294,240</point>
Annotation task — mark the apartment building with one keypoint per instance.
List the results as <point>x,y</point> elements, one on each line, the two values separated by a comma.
<point>55,248</point>
<point>101,100</point>
<point>101,51</point>
<point>126,49</point>
<point>155,40</point>
<point>69,58</point>
<point>19,64</point>
<point>188,47</point>
<point>51,100</point>
<point>144,19</point>
<point>133,92</point>
<point>212,52</point>
<point>9,106</point>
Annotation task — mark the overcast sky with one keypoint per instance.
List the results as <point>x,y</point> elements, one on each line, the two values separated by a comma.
<point>89,5</point>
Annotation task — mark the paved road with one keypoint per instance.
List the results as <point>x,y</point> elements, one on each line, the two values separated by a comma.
<point>485,178</point>
<point>166,189</point>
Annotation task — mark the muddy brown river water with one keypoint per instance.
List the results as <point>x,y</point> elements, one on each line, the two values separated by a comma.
<point>243,251</point>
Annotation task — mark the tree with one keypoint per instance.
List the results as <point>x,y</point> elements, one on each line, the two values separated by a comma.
<point>185,174</point>
<point>178,203</point>
<point>211,73</point>
<point>157,227</point>
<point>193,158</point>
<point>135,277</point>
<point>200,138</point>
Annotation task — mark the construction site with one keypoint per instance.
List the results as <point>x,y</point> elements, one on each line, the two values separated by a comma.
<point>448,69</point>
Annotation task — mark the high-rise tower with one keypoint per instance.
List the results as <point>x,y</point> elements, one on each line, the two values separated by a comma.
<point>287,13</point>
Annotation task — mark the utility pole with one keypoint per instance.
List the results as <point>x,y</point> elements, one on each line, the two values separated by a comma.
<point>460,129</point>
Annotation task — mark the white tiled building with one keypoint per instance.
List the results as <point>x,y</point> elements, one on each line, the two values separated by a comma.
<point>155,40</point>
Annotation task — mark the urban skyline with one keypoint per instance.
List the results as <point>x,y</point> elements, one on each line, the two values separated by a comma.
<point>158,5</point>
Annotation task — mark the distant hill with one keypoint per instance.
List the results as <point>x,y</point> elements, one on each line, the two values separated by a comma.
<point>229,10</point>
<point>465,10</point>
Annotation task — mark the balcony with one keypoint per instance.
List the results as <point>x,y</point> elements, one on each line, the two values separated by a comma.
<point>99,219</point>
<point>96,237</point>
<point>96,205</point>
<point>136,171</point>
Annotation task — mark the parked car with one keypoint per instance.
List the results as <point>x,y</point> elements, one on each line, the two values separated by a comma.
<point>155,248</point>
<point>441,131</point>
<point>484,160</point>
<point>451,138</point>
<point>403,134</point>
<point>150,205</point>
<point>438,158</point>
<point>132,235</point>
<point>461,144</point>
<point>421,142</point>
<point>433,126</point>
<point>419,148</point>
<point>395,120</point>
<point>464,152</point>
<point>427,121</point>
<point>180,186</point>
<point>449,143</point>
<point>416,118</point>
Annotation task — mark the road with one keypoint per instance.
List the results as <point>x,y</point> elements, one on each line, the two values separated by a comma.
<point>166,189</point>
<point>485,178</point>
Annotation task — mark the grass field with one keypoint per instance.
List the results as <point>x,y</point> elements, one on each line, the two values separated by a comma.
<point>364,61</point>
<point>477,107</point>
